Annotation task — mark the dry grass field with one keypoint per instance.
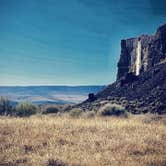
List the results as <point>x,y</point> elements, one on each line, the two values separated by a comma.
<point>57,141</point>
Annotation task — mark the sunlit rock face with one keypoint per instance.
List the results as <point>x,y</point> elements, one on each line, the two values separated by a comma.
<point>142,53</point>
<point>138,59</point>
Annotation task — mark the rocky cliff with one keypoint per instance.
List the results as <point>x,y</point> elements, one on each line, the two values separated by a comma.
<point>141,53</point>
<point>141,78</point>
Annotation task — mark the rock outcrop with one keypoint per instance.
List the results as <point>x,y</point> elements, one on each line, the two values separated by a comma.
<point>140,54</point>
<point>141,80</point>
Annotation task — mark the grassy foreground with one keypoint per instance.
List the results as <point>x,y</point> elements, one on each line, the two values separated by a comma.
<point>57,141</point>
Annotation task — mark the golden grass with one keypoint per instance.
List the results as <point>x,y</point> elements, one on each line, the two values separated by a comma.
<point>48,140</point>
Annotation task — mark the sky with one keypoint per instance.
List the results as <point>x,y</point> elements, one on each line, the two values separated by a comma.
<point>70,42</point>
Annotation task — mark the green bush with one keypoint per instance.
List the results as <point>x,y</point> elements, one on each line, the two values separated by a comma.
<point>76,112</point>
<point>25,109</point>
<point>89,114</point>
<point>113,110</point>
<point>5,106</point>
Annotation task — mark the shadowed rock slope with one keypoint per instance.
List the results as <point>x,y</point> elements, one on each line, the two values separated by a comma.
<point>146,93</point>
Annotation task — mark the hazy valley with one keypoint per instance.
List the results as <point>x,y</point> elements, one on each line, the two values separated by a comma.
<point>49,94</point>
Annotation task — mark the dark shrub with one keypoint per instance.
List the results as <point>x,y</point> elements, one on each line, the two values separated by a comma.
<point>54,162</point>
<point>51,109</point>
<point>5,106</point>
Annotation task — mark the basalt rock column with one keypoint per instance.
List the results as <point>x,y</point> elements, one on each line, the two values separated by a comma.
<point>142,53</point>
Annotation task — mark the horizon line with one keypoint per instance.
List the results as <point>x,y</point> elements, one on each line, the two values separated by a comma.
<point>52,85</point>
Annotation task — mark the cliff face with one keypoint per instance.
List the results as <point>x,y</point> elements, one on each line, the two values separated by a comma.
<point>142,53</point>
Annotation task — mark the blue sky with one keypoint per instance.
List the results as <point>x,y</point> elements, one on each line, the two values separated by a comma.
<point>70,42</point>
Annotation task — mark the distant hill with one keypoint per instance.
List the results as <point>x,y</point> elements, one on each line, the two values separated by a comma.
<point>48,94</point>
